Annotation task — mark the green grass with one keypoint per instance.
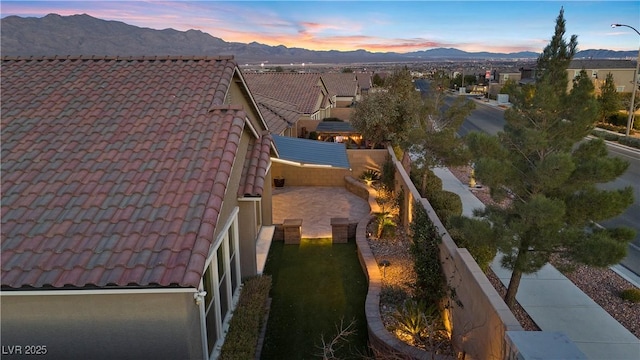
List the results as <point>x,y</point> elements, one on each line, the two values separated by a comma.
<point>315,285</point>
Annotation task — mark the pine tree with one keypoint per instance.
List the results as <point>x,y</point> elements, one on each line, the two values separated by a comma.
<point>544,163</point>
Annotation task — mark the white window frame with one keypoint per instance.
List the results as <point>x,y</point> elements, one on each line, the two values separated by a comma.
<point>224,239</point>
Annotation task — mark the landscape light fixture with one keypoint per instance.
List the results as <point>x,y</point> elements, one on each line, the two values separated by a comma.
<point>634,81</point>
<point>384,264</point>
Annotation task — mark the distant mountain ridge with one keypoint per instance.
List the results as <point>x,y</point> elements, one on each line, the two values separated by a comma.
<point>85,35</point>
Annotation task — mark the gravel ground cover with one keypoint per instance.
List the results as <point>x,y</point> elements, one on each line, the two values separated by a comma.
<point>601,285</point>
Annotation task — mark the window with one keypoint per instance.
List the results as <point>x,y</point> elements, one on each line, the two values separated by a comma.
<point>211,318</point>
<point>224,286</point>
<point>235,265</point>
<point>619,88</point>
<point>221,281</point>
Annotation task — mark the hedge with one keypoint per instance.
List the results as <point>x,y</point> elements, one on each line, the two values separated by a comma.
<point>244,329</point>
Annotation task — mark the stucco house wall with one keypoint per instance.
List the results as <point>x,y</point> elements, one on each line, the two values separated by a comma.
<point>98,325</point>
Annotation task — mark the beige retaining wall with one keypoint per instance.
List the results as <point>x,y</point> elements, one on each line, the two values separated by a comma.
<point>479,325</point>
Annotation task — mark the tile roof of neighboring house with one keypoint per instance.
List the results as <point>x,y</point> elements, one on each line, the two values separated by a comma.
<point>312,152</point>
<point>278,114</point>
<point>341,84</point>
<point>114,170</point>
<point>601,64</point>
<point>301,89</point>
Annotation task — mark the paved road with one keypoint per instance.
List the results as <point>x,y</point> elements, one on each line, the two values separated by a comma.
<point>631,217</point>
<point>490,119</point>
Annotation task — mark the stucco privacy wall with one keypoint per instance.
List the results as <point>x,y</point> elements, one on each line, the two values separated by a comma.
<point>478,314</point>
<point>360,161</point>
<point>95,325</point>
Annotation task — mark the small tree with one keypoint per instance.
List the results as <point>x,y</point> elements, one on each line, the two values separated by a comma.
<point>609,99</point>
<point>433,139</point>
<point>377,80</point>
<point>626,104</point>
<point>543,161</point>
<point>384,116</point>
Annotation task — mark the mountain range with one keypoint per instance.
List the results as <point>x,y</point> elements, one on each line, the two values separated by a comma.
<point>85,35</point>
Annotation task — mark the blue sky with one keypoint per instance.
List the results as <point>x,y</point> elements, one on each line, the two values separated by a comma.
<point>378,26</point>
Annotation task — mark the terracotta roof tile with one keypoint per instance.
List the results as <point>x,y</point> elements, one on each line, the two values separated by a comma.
<point>279,115</point>
<point>301,89</point>
<point>341,84</point>
<point>255,167</point>
<point>114,169</point>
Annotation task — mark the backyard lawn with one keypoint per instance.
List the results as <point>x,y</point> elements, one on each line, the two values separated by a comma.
<point>315,285</point>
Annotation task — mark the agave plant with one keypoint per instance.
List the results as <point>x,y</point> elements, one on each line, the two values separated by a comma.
<point>411,318</point>
<point>370,176</point>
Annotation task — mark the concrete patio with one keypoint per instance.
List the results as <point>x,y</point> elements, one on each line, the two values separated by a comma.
<point>316,206</point>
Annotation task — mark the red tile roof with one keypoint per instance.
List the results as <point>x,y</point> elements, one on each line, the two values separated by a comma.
<point>341,84</point>
<point>305,90</point>
<point>255,168</point>
<point>364,80</point>
<point>114,169</point>
<point>277,114</point>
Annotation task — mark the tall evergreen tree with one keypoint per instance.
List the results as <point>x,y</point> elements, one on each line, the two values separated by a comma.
<point>609,99</point>
<point>544,162</point>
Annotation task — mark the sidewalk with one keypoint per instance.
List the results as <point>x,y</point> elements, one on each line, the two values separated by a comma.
<point>555,303</point>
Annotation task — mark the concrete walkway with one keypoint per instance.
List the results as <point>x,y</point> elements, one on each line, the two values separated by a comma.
<point>555,303</point>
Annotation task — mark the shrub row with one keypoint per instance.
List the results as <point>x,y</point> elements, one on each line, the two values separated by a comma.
<point>448,207</point>
<point>430,281</point>
<point>244,329</point>
<point>446,204</point>
<point>631,294</point>
<point>624,140</point>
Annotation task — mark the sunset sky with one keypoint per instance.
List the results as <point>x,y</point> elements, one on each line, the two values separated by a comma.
<point>377,26</point>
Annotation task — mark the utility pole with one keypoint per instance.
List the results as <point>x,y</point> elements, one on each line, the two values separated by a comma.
<point>634,82</point>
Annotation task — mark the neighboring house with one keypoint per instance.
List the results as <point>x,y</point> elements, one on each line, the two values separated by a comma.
<point>281,117</point>
<point>503,77</point>
<point>345,86</point>
<point>622,71</point>
<point>307,91</point>
<point>134,191</point>
<point>364,81</point>
<point>527,75</point>
<point>597,69</point>
<point>340,132</point>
